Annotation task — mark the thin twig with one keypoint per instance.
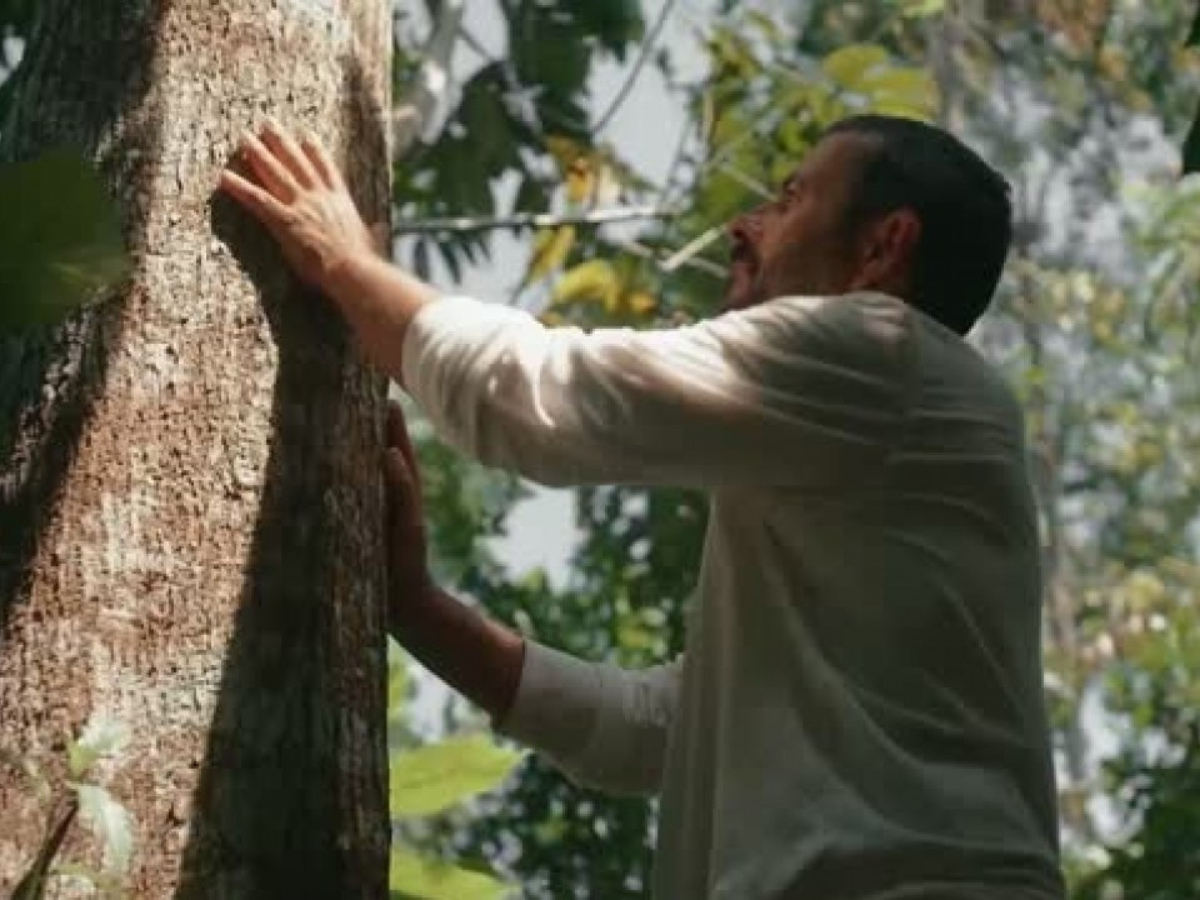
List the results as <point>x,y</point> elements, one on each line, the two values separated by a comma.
<point>747,181</point>
<point>647,46</point>
<point>518,221</point>
<point>639,249</point>
<point>685,253</point>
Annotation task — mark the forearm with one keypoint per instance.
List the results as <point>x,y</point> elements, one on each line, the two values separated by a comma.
<point>379,301</point>
<point>602,726</point>
<point>479,658</point>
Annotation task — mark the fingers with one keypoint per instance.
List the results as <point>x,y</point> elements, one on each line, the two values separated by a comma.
<point>321,162</point>
<point>399,478</point>
<point>403,503</point>
<point>405,515</point>
<point>288,153</point>
<point>398,437</point>
<point>259,202</point>
<point>270,170</point>
<point>286,166</point>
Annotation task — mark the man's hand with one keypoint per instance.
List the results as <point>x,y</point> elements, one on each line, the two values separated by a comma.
<point>476,656</point>
<point>408,570</point>
<point>303,201</point>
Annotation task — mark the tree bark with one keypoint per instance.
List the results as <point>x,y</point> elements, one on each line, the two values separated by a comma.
<point>190,492</point>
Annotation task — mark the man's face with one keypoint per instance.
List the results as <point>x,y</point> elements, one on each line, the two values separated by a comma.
<point>802,243</point>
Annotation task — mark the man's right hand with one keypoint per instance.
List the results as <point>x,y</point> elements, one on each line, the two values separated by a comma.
<point>408,568</point>
<point>303,201</point>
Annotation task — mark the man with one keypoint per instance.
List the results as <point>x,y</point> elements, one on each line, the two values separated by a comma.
<point>858,714</point>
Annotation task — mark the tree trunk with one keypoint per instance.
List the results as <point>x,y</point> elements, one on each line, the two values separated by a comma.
<point>190,493</point>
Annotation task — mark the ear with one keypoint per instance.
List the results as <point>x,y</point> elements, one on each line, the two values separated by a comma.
<point>888,248</point>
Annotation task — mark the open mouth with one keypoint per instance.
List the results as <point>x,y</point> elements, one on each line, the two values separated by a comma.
<point>741,251</point>
<point>742,255</point>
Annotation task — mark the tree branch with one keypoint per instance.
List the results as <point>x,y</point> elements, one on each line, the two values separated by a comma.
<point>518,221</point>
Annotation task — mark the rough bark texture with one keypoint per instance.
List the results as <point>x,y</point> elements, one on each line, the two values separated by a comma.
<point>190,501</point>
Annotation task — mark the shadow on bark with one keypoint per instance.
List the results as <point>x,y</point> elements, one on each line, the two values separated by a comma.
<point>84,72</point>
<point>291,801</point>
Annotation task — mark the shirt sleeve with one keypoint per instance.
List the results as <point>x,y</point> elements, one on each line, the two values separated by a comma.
<point>602,726</point>
<point>798,391</point>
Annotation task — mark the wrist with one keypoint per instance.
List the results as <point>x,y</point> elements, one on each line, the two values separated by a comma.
<point>344,272</point>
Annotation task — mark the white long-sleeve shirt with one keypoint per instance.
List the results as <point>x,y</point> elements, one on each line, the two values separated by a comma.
<point>858,714</point>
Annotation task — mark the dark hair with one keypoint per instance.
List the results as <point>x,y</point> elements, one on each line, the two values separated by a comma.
<point>964,206</point>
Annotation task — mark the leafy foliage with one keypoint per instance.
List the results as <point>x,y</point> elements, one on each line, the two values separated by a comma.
<point>431,779</point>
<point>428,780</point>
<point>1191,144</point>
<point>16,23</point>
<point>64,248</point>
<point>103,737</point>
<point>411,876</point>
<point>509,110</point>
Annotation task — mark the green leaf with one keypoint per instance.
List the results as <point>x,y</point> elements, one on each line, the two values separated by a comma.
<point>32,772</point>
<point>901,90</point>
<point>850,65</point>
<point>733,54</point>
<point>397,684</point>
<point>593,281</point>
<point>486,119</point>
<point>411,876</point>
<point>65,244</point>
<point>430,779</point>
<point>102,736</point>
<point>548,49</point>
<point>923,9</point>
<point>615,23</point>
<point>111,823</point>
<point>765,24</point>
<point>550,249</point>
<point>1191,148</point>
<point>32,885</point>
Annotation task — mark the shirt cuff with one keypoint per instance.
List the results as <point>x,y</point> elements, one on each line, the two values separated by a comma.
<point>558,702</point>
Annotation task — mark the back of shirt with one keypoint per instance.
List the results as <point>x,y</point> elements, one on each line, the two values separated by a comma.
<point>861,712</point>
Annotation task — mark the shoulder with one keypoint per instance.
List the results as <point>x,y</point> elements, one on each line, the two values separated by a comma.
<point>868,329</point>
